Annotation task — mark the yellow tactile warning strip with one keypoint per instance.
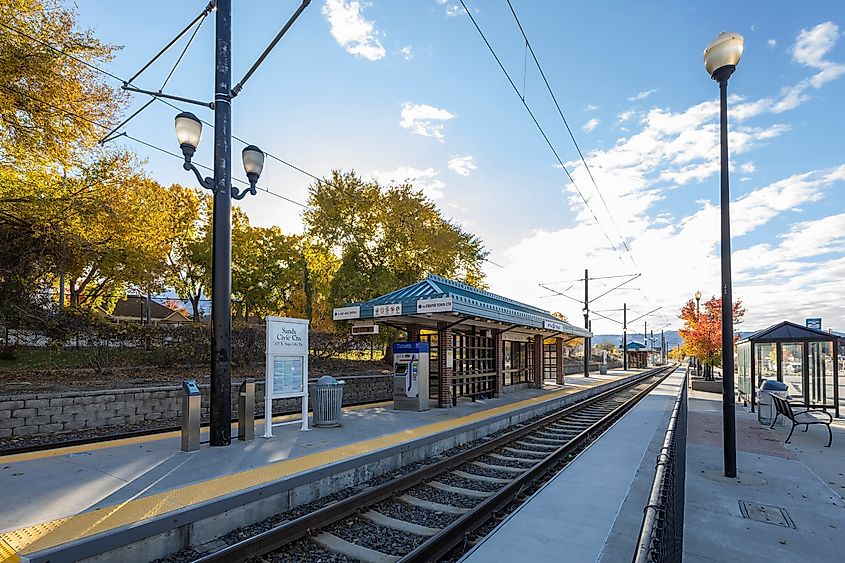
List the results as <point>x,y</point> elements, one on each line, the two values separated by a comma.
<point>63,530</point>
<point>144,439</point>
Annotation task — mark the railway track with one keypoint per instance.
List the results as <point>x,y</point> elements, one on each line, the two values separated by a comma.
<point>435,512</point>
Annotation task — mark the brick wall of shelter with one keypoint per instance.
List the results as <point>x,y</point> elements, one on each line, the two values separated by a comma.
<point>537,367</point>
<point>25,415</point>
<point>444,387</point>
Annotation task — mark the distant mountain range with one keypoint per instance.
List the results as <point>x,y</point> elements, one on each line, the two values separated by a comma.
<point>672,338</point>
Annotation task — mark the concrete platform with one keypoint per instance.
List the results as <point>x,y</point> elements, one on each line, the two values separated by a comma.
<point>52,498</point>
<point>593,510</point>
<point>803,478</point>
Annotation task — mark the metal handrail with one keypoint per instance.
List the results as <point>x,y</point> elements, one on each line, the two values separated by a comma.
<point>662,530</point>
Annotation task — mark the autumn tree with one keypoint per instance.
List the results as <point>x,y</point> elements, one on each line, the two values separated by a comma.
<point>189,259</point>
<point>702,331</point>
<point>386,237</point>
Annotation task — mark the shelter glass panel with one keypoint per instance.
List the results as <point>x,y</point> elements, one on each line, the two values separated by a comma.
<point>766,361</point>
<point>743,370</point>
<point>821,373</point>
<point>793,368</point>
<point>549,361</point>
<point>474,368</point>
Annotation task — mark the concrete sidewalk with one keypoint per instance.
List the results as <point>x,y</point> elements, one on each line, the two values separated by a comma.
<point>801,485</point>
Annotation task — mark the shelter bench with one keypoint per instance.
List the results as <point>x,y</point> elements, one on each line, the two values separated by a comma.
<point>805,417</point>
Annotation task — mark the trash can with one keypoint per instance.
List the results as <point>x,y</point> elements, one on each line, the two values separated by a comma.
<point>765,404</point>
<point>326,400</point>
<point>603,369</point>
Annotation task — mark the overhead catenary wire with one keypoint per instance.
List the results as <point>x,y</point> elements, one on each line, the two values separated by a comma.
<point>569,130</point>
<point>540,128</point>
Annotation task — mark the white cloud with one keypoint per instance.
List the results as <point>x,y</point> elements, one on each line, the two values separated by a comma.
<point>463,165</point>
<point>590,125</point>
<point>810,48</point>
<point>352,32</point>
<point>748,167</point>
<point>425,180</point>
<point>453,10</point>
<point>772,43</point>
<point>407,52</point>
<point>590,107</point>
<point>642,95</point>
<point>425,120</point>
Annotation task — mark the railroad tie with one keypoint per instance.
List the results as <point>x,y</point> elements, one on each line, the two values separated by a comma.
<point>401,525</point>
<point>480,478</point>
<point>552,441</point>
<point>472,493</point>
<point>353,551</point>
<point>524,451</point>
<point>433,506</point>
<point>511,458</point>
<point>502,468</point>
<point>548,447</point>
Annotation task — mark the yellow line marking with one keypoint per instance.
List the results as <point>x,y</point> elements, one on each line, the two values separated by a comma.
<point>56,532</point>
<point>53,452</point>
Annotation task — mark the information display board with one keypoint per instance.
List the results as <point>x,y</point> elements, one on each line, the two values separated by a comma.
<point>286,366</point>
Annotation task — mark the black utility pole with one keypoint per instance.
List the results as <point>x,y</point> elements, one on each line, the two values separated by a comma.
<point>728,415</point>
<point>587,341</point>
<point>624,336</point>
<point>645,341</point>
<point>220,407</point>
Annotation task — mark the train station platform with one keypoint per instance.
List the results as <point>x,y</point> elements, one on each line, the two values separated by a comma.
<point>72,496</point>
<point>592,511</point>
<point>786,503</point>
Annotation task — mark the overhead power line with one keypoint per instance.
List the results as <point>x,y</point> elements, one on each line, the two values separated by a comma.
<point>569,130</point>
<point>540,128</point>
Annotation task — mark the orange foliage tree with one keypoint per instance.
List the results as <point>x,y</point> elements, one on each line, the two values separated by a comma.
<point>702,332</point>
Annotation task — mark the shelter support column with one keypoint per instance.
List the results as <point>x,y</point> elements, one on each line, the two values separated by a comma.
<point>538,362</point>
<point>499,361</point>
<point>444,365</point>
<point>413,333</point>
<point>559,374</point>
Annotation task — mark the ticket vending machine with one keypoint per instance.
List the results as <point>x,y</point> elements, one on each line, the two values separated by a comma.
<point>410,376</point>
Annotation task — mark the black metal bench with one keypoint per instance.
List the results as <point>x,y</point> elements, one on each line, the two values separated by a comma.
<point>805,417</point>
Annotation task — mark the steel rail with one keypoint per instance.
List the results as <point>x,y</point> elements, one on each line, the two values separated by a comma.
<point>288,532</point>
<point>456,531</point>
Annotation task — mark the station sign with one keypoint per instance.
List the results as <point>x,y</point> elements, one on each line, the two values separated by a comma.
<point>815,323</point>
<point>346,313</point>
<point>436,305</point>
<point>553,325</point>
<point>286,371</point>
<point>364,327</point>
<point>389,310</point>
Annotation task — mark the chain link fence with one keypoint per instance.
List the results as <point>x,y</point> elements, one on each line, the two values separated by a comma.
<point>662,532</point>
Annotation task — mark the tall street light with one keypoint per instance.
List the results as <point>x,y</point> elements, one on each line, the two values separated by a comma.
<point>720,60</point>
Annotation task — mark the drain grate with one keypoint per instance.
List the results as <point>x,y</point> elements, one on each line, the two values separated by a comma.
<point>765,513</point>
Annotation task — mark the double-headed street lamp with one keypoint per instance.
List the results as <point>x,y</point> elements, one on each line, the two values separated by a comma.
<point>720,60</point>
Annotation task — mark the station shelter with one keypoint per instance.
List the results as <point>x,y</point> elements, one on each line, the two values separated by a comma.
<point>803,358</point>
<point>637,355</point>
<point>481,344</point>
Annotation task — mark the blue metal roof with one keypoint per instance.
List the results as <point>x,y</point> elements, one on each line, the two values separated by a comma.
<point>634,346</point>
<point>469,301</point>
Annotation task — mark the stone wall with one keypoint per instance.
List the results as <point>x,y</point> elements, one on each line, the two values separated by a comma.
<point>26,415</point>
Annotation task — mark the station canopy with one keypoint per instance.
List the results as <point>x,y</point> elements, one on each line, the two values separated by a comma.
<point>440,300</point>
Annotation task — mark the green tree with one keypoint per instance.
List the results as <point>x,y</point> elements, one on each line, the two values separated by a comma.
<point>50,101</point>
<point>386,237</point>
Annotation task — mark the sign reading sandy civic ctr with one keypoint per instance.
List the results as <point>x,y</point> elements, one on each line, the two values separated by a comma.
<point>287,365</point>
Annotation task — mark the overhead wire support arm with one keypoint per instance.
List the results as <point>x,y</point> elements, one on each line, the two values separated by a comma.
<point>644,315</point>
<point>615,287</point>
<point>239,86</point>
<point>131,88</point>
<point>207,10</point>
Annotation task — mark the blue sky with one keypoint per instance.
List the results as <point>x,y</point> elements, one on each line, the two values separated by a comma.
<point>408,89</point>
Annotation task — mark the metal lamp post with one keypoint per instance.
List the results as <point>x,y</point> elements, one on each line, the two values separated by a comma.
<point>189,133</point>
<point>720,60</point>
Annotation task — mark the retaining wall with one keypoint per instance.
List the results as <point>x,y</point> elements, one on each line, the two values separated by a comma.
<point>25,415</point>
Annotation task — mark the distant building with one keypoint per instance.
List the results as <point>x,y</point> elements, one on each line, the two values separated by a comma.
<point>134,309</point>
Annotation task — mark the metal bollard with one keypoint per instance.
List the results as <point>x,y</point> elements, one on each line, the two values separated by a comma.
<point>190,416</point>
<point>246,410</point>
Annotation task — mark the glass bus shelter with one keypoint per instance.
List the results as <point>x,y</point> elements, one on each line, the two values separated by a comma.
<point>803,358</point>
